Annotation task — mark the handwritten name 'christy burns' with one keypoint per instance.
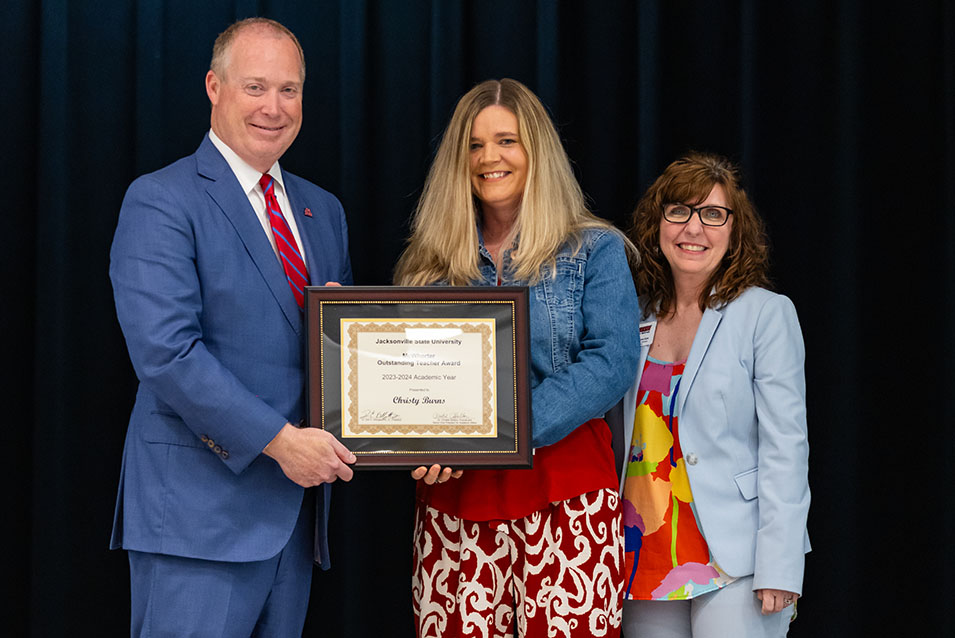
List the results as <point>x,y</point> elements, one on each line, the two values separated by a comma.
<point>415,400</point>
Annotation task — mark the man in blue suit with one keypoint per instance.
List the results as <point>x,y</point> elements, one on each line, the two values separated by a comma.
<point>207,264</point>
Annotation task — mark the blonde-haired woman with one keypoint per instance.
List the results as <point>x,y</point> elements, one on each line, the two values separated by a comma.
<point>715,488</point>
<point>539,550</point>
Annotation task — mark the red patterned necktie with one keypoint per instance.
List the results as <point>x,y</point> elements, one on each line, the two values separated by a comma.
<point>289,253</point>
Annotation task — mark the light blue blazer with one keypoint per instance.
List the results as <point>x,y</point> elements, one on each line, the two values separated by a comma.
<point>742,411</point>
<point>217,342</point>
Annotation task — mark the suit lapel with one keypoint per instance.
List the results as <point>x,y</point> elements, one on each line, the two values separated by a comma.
<point>234,204</point>
<point>701,342</point>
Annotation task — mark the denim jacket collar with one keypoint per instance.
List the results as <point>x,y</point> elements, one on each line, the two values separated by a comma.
<point>489,274</point>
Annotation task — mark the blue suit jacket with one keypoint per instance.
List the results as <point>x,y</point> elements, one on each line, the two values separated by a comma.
<point>742,411</point>
<point>217,342</point>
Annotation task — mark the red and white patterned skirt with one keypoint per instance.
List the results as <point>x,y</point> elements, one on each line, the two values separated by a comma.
<point>555,572</point>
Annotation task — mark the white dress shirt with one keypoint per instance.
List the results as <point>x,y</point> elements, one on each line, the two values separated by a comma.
<point>249,181</point>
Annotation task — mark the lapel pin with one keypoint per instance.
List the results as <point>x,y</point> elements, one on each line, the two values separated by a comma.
<point>308,212</point>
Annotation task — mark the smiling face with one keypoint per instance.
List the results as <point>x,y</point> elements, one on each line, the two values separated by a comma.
<point>693,250</point>
<point>498,160</point>
<point>257,100</point>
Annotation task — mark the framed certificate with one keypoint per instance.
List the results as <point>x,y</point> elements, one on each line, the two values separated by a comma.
<point>416,376</point>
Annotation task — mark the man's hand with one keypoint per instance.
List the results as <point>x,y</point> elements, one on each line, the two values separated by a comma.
<point>310,456</point>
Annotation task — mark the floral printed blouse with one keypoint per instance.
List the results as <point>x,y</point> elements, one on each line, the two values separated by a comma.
<point>666,555</point>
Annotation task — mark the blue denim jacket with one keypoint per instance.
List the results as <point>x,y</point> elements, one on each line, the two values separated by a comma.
<point>585,342</point>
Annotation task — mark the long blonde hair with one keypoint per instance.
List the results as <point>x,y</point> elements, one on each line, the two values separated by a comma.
<point>444,243</point>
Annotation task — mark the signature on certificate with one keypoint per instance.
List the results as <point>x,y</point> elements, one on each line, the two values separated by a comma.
<point>380,416</point>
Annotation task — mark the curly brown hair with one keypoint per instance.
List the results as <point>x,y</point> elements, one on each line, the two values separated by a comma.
<point>689,180</point>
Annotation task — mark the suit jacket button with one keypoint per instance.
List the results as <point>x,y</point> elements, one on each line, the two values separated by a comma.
<point>224,455</point>
<point>203,438</point>
<point>691,459</point>
<point>217,450</point>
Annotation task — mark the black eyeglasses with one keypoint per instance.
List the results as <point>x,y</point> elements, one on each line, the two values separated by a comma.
<point>709,215</point>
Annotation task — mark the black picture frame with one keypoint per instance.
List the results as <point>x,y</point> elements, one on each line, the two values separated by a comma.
<point>328,308</point>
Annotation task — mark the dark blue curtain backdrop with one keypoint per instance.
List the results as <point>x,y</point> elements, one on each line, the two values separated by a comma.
<point>842,115</point>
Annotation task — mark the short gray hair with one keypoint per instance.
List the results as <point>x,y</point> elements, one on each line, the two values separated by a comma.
<point>220,50</point>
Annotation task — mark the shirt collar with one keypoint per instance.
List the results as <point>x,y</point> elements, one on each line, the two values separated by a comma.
<point>248,177</point>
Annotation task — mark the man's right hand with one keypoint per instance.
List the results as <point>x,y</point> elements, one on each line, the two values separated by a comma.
<point>310,456</point>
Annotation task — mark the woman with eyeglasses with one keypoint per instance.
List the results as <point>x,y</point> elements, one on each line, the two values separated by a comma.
<point>714,485</point>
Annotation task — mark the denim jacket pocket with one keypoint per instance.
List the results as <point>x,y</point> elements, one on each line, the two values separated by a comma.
<point>561,294</point>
